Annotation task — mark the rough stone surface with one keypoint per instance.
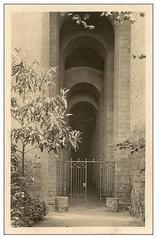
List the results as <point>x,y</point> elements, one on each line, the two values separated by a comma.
<point>137,208</point>
<point>112,203</point>
<point>121,114</point>
<point>62,204</point>
<point>138,116</point>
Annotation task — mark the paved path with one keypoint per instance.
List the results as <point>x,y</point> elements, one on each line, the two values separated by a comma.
<point>89,214</point>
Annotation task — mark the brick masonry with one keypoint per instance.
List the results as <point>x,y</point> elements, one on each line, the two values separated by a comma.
<point>121,109</point>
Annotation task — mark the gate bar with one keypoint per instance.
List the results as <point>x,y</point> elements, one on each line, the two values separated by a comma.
<point>71,182</point>
<point>86,180</point>
<point>100,179</point>
<point>75,181</point>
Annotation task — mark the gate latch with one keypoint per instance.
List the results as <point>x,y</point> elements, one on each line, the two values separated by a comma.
<point>84,184</point>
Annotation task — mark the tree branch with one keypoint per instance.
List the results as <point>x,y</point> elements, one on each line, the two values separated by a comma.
<point>19,151</point>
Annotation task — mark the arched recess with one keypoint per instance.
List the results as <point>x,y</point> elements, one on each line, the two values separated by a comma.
<point>84,88</point>
<point>84,119</point>
<point>84,41</point>
<point>83,99</point>
<point>86,68</point>
<point>87,56</point>
<point>83,67</point>
<point>101,49</point>
<point>83,73</point>
<point>83,54</point>
<point>85,82</point>
<point>103,31</point>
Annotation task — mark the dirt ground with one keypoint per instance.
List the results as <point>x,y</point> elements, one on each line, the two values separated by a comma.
<point>89,215</point>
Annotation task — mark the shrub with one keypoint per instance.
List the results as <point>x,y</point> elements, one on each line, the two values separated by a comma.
<point>24,209</point>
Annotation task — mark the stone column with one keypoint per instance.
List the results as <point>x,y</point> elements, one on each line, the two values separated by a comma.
<point>108,106</point>
<point>50,45</point>
<point>53,62</point>
<point>54,47</point>
<point>49,58</point>
<point>121,124</point>
<point>99,128</point>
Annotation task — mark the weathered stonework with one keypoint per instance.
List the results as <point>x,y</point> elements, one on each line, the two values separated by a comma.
<point>121,110</point>
<point>62,204</point>
<point>112,203</point>
<point>137,110</point>
<point>137,172</point>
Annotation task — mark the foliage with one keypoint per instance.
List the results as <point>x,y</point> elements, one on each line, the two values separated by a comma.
<point>117,17</point>
<point>24,210</point>
<point>41,119</point>
<point>140,57</point>
<point>40,124</point>
<point>132,146</point>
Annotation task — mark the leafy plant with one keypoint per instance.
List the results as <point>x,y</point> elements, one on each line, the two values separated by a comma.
<point>117,17</point>
<point>24,210</point>
<point>41,119</point>
<point>40,123</point>
<point>130,145</point>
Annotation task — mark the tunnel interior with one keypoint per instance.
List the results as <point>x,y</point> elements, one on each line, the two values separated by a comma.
<point>84,119</point>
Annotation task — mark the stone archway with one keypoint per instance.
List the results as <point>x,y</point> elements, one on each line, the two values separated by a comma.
<point>86,68</point>
<point>88,57</point>
<point>83,75</point>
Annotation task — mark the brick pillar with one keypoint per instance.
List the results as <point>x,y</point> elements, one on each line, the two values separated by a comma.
<point>54,46</point>
<point>53,62</point>
<point>121,124</point>
<point>50,56</point>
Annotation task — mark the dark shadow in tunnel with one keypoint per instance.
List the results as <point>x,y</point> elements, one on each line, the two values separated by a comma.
<point>84,119</point>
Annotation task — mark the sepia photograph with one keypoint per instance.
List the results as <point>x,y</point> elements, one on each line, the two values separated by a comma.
<point>78,113</point>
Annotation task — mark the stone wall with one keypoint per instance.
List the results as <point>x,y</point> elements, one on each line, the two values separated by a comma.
<point>137,83</point>
<point>137,171</point>
<point>121,109</point>
<point>137,78</point>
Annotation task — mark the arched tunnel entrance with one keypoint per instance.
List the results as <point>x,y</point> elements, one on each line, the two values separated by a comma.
<point>86,68</point>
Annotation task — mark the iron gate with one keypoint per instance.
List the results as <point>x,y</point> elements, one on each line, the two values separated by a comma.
<point>73,175</point>
<point>78,179</point>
